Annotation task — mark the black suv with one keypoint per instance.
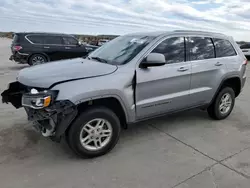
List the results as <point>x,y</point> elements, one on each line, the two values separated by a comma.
<point>38,48</point>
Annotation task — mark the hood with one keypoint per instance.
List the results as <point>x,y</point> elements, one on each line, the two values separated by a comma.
<point>45,75</point>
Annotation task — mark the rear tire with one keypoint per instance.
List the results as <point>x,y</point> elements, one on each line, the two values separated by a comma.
<point>223,104</point>
<point>94,133</point>
<point>37,59</point>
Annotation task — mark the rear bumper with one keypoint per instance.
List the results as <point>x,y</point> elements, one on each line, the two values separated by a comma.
<point>19,57</point>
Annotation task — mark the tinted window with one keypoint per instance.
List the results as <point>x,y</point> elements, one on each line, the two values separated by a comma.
<point>35,39</point>
<point>223,48</point>
<point>200,48</point>
<point>245,46</point>
<point>70,41</point>
<point>52,40</point>
<point>173,49</point>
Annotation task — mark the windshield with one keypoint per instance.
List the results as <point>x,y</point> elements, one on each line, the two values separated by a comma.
<point>122,49</point>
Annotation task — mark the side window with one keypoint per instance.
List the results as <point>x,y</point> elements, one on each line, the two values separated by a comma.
<point>173,49</point>
<point>200,48</point>
<point>70,41</point>
<point>36,39</point>
<point>53,40</point>
<point>223,48</point>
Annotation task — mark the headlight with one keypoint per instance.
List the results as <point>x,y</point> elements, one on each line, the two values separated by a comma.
<point>38,100</point>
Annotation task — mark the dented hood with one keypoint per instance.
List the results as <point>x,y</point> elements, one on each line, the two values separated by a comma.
<point>46,75</point>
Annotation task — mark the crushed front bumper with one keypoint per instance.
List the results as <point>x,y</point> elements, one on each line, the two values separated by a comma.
<point>54,120</point>
<point>51,121</point>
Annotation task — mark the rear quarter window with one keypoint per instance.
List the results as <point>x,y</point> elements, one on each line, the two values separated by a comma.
<point>36,39</point>
<point>224,48</point>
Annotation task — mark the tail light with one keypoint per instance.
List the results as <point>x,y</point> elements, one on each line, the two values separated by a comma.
<point>17,48</point>
<point>245,62</point>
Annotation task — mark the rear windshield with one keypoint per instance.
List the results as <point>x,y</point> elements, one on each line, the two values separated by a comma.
<point>15,39</point>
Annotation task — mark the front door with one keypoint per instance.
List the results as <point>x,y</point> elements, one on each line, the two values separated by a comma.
<point>72,48</point>
<point>165,88</point>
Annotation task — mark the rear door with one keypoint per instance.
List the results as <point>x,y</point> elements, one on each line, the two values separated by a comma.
<point>72,47</point>
<point>34,43</point>
<point>226,54</point>
<point>207,70</point>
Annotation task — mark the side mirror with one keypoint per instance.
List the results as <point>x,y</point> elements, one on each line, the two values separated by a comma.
<point>79,43</point>
<point>153,60</point>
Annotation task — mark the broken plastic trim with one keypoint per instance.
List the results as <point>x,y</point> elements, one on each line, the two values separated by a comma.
<point>61,112</point>
<point>14,94</point>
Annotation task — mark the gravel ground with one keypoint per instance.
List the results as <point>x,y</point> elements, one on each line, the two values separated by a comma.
<point>184,150</point>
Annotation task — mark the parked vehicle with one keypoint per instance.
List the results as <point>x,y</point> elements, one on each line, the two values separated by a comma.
<point>246,49</point>
<point>102,41</point>
<point>130,79</point>
<point>38,48</point>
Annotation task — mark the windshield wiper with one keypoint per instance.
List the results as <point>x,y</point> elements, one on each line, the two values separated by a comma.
<point>99,59</point>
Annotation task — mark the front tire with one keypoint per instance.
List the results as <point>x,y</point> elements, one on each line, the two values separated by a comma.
<point>223,104</point>
<point>94,133</point>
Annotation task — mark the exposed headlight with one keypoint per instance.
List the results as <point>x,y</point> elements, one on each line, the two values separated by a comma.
<point>38,100</point>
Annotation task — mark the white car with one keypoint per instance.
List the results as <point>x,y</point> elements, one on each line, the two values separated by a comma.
<point>101,42</point>
<point>245,49</point>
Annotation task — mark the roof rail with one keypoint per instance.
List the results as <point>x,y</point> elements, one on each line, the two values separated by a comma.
<point>197,31</point>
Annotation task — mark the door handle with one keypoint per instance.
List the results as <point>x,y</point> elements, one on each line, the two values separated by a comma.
<point>182,69</point>
<point>218,64</point>
<point>46,47</point>
<point>68,48</point>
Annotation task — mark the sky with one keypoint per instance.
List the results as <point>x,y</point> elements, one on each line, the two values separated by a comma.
<point>231,17</point>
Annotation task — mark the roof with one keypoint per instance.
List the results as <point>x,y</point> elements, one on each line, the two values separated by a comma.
<point>158,33</point>
<point>155,33</point>
<point>42,33</point>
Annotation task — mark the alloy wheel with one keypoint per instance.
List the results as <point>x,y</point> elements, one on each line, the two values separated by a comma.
<point>225,103</point>
<point>96,134</point>
<point>38,60</point>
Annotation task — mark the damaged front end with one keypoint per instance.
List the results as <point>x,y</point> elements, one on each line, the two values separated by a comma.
<point>50,117</point>
<point>14,94</point>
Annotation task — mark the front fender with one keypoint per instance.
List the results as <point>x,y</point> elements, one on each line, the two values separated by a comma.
<point>80,91</point>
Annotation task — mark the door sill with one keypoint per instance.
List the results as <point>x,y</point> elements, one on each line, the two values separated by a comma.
<point>203,107</point>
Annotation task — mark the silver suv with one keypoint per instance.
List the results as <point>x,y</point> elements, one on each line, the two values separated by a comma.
<point>130,79</point>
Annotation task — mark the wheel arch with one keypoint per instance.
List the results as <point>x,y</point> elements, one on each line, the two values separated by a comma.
<point>112,102</point>
<point>39,53</point>
<point>232,81</point>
